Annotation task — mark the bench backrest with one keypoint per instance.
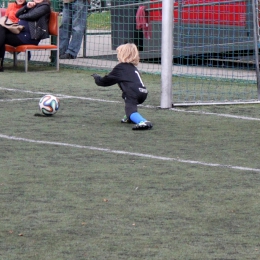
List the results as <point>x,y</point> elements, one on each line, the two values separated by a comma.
<point>54,23</point>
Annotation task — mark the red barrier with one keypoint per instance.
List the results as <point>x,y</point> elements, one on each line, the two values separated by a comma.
<point>222,13</point>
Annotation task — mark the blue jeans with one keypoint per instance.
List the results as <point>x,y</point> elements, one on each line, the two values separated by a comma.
<point>72,29</point>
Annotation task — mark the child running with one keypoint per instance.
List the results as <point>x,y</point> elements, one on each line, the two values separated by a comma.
<point>127,76</point>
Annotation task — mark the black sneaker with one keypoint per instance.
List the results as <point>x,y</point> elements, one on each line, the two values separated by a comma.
<point>143,126</point>
<point>125,120</point>
<point>67,56</point>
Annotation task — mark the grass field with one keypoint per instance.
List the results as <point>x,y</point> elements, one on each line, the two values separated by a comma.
<point>99,21</point>
<point>81,185</point>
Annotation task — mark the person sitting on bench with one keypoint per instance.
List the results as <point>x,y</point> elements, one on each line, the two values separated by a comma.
<point>34,16</point>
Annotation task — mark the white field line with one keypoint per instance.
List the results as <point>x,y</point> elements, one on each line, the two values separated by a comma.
<point>149,156</point>
<point>111,101</point>
<point>59,95</point>
<point>216,114</point>
<point>124,152</point>
<point>16,99</point>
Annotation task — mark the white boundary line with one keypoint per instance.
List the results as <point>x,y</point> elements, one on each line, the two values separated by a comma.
<point>216,114</point>
<point>149,156</point>
<point>111,101</point>
<point>16,99</point>
<point>124,152</point>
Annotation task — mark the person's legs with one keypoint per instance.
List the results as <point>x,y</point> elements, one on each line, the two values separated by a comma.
<point>7,38</point>
<point>131,102</point>
<point>79,19</point>
<point>2,45</point>
<point>130,108</point>
<point>65,28</point>
<point>1,64</point>
<point>13,39</point>
<point>135,117</point>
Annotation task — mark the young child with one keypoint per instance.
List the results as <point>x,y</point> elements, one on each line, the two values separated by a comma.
<point>12,8</point>
<point>127,76</point>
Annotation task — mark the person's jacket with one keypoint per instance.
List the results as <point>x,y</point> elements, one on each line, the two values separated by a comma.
<point>37,18</point>
<point>142,22</point>
<point>126,75</point>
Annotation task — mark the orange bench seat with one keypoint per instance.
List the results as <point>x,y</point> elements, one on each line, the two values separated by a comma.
<point>53,31</point>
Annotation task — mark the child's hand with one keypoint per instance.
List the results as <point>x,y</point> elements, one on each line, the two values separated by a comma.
<point>95,76</point>
<point>31,4</point>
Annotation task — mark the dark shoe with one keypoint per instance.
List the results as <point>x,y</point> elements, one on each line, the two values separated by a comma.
<point>143,126</point>
<point>125,120</point>
<point>1,69</point>
<point>67,56</point>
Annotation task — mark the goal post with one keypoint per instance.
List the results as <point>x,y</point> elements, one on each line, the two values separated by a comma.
<point>166,54</point>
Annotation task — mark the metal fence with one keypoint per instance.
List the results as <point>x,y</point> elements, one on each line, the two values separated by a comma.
<point>214,55</point>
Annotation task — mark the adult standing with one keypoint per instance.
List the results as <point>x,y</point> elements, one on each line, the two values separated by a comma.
<point>72,29</point>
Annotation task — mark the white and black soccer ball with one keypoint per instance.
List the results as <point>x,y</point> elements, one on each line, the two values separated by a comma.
<point>49,105</point>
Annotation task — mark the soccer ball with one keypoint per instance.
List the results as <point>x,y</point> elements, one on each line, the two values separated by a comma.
<point>49,105</point>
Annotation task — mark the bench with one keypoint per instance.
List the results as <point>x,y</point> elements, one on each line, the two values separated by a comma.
<point>53,31</point>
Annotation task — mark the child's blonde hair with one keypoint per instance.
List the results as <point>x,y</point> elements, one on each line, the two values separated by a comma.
<point>128,53</point>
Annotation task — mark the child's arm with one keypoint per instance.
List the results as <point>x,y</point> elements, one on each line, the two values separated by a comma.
<point>111,79</point>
